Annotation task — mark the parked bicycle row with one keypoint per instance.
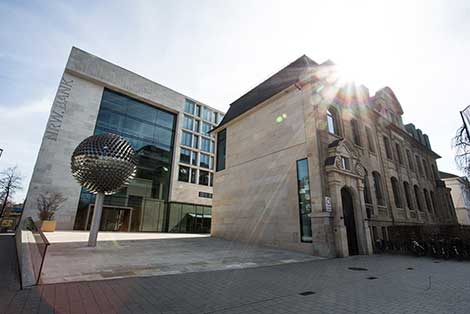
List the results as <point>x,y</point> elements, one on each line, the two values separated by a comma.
<point>454,248</point>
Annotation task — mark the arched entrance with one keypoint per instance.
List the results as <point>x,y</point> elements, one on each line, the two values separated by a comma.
<point>349,221</point>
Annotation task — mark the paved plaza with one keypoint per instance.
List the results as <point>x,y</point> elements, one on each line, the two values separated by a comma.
<point>376,284</point>
<point>123,254</point>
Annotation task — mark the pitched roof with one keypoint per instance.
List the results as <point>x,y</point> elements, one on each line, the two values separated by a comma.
<point>273,85</point>
<point>446,175</point>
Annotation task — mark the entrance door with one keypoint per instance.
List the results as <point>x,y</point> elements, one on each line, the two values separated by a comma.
<point>349,221</point>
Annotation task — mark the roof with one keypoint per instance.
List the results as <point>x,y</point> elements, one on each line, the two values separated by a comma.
<point>273,85</point>
<point>446,175</point>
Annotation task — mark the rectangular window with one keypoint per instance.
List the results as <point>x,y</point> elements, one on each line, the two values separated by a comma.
<point>198,111</point>
<point>183,174</point>
<point>221,141</point>
<point>194,158</point>
<point>410,161</point>
<point>205,194</point>
<point>355,131</point>
<point>193,175</point>
<point>195,141</point>
<point>188,123</point>
<point>196,126</point>
<point>418,164</point>
<point>206,127</point>
<point>211,164</point>
<point>203,177</point>
<point>399,156</point>
<point>388,151</point>
<point>185,155</point>
<point>345,163</point>
<point>305,209</point>
<point>189,106</point>
<point>204,161</point>
<point>370,140</point>
<point>207,145</point>
<point>186,139</point>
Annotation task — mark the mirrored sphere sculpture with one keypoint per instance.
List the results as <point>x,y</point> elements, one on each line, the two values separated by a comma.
<point>103,163</point>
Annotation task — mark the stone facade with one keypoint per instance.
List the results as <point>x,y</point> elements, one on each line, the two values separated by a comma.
<point>460,191</point>
<point>256,198</point>
<point>73,118</point>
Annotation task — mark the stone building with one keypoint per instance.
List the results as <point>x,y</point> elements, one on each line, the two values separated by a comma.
<point>308,162</point>
<point>460,191</point>
<point>172,190</point>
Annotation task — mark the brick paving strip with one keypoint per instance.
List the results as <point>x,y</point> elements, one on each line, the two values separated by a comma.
<point>321,286</point>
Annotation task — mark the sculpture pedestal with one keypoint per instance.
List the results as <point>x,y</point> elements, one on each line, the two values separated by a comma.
<point>95,222</point>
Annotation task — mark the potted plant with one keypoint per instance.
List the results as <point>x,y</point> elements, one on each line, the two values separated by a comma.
<point>48,204</point>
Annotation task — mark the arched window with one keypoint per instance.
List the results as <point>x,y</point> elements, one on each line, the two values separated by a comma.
<point>332,120</point>
<point>428,201</point>
<point>418,198</point>
<point>367,194</point>
<point>396,192</point>
<point>409,202</point>
<point>378,188</point>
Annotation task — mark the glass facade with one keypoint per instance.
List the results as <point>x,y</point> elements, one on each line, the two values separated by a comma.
<point>143,204</point>
<point>305,209</point>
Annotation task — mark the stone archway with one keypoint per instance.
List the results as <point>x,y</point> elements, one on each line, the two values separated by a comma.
<point>349,220</point>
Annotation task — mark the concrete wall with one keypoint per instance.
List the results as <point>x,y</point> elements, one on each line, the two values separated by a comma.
<point>255,197</point>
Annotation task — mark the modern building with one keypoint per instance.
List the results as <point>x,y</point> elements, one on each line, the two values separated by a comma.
<point>172,190</point>
<point>308,162</point>
<point>460,191</point>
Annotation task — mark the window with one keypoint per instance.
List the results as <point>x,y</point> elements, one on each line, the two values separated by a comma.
<point>194,158</point>
<point>205,194</point>
<point>189,106</point>
<point>410,161</point>
<point>206,127</point>
<point>367,194</point>
<point>197,113</point>
<point>204,160</point>
<point>305,209</point>
<point>399,156</point>
<point>196,126</point>
<point>433,200</point>
<point>378,188</point>
<point>221,141</point>
<point>370,140</point>
<point>185,155</point>
<point>426,169</point>
<point>409,202</point>
<point>396,192</point>
<point>355,132</point>
<point>418,198</point>
<point>332,121</point>
<point>428,201</point>
<point>195,141</point>
<point>188,123</point>
<point>418,164</point>
<point>186,139</point>
<point>207,114</point>
<point>193,175</point>
<point>388,151</point>
<point>203,177</point>
<point>207,145</point>
<point>345,163</point>
<point>183,174</point>
<point>434,172</point>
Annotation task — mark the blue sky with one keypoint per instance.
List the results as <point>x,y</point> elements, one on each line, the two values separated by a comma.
<point>215,51</point>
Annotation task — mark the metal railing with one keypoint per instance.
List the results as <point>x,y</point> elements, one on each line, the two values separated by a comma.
<point>31,247</point>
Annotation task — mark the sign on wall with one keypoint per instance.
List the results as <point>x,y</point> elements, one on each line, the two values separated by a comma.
<point>328,206</point>
<point>59,108</point>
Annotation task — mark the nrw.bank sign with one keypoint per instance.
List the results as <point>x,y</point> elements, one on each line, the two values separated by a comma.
<point>59,107</point>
